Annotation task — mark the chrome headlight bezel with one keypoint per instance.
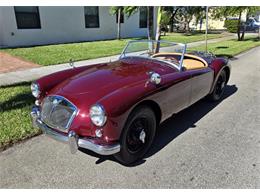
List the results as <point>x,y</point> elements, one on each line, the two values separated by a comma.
<point>35,88</point>
<point>98,115</point>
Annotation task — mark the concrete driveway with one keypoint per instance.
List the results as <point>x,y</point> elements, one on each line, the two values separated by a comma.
<point>205,146</point>
<point>9,63</point>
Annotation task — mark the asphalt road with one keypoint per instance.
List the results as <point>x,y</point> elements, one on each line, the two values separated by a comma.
<point>205,146</point>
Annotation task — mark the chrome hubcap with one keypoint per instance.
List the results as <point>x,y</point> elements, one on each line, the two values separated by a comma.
<point>222,85</point>
<point>137,135</point>
<point>142,136</point>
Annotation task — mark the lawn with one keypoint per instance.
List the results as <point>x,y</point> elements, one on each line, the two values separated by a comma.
<point>188,38</point>
<point>62,53</point>
<point>229,48</point>
<point>15,106</point>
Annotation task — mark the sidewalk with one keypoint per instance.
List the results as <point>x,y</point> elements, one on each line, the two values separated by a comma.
<point>35,73</point>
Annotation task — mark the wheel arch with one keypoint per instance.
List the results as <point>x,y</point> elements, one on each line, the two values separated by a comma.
<point>154,106</point>
<point>227,70</point>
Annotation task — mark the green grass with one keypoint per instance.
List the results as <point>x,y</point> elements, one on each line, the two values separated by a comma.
<point>229,48</point>
<point>188,38</point>
<point>15,106</point>
<point>62,53</point>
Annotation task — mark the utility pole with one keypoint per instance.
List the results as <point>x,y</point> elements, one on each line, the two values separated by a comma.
<point>206,31</point>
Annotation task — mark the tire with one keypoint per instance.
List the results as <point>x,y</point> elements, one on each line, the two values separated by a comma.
<point>219,87</point>
<point>137,135</point>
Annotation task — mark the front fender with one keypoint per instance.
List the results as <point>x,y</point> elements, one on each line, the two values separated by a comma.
<point>120,103</point>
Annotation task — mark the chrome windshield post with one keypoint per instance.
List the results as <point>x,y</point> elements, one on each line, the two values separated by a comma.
<point>182,56</point>
<point>122,55</point>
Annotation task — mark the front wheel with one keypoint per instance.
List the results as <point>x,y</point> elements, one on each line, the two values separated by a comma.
<point>219,88</point>
<point>137,135</point>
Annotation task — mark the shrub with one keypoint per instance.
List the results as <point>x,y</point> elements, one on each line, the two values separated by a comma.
<point>231,25</point>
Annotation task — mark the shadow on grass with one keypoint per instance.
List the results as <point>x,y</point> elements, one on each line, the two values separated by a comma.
<point>20,100</point>
<point>174,126</point>
<point>231,57</point>
<point>222,47</point>
<point>253,39</point>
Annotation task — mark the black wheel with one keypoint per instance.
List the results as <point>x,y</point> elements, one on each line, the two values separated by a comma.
<point>137,135</point>
<point>219,88</point>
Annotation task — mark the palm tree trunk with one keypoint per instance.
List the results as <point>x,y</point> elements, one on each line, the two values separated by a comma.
<point>238,26</point>
<point>148,23</point>
<point>118,24</point>
<point>158,29</point>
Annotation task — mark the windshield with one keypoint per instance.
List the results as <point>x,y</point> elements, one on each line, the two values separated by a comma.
<point>159,50</point>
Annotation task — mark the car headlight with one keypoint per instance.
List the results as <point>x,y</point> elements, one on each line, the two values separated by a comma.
<point>98,115</point>
<point>35,90</point>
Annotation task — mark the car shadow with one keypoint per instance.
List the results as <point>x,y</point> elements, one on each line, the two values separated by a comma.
<point>179,123</point>
<point>174,126</point>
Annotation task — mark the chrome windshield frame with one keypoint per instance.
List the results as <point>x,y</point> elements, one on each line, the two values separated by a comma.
<point>179,67</point>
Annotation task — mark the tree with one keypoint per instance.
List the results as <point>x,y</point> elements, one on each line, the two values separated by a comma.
<point>117,10</point>
<point>165,21</point>
<point>158,28</point>
<point>237,11</point>
<point>184,15</point>
<point>130,10</point>
<point>171,11</point>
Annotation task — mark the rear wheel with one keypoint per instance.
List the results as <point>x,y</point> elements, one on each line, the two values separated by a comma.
<point>137,135</point>
<point>219,88</point>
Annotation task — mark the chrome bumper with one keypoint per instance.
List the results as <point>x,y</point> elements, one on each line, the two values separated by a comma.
<point>72,138</point>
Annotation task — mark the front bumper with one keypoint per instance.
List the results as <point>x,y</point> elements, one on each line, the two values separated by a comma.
<point>72,138</point>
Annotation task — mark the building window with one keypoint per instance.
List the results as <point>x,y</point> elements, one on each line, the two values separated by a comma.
<point>27,17</point>
<point>143,17</point>
<point>91,17</point>
<point>121,17</point>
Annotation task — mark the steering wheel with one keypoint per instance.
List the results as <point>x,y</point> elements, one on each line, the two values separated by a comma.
<point>173,59</point>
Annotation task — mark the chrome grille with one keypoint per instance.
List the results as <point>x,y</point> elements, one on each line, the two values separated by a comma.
<point>58,113</point>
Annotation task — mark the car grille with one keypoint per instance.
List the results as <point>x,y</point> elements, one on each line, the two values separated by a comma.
<point>58,113</point>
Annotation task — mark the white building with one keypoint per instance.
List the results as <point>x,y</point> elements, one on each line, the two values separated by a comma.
<point>24,26</point>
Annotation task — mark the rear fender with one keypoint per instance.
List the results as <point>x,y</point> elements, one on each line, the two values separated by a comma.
<point>218,65</point>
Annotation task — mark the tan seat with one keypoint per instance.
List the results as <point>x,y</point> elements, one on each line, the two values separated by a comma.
<point>191,64</point>
<point>194,62</point>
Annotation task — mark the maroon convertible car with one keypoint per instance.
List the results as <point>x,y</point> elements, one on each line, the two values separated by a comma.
<point>115,108</point>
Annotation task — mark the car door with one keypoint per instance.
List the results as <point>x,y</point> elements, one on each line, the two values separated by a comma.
<point>201,82</point>
<point>175,92</point>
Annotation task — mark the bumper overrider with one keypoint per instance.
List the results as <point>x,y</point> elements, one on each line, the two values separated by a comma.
<point>72,138</point>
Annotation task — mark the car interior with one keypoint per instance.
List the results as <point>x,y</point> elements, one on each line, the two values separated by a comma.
<point>190,62</point>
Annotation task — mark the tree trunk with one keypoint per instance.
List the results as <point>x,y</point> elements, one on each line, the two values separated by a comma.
<point>259,33</point>
<point>187,28</point>
<point>148,23</point>
<point>158,29</point>
<point>171,20</point>
<point>171,24</point>
<point>201,21</point>
<point>119,24</point>
<point>238,26</point>
<point>243,33</point>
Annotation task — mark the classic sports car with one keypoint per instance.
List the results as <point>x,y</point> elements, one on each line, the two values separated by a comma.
<point>115,108</point>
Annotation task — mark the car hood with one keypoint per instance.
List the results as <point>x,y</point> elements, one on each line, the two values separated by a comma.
<point>106,78</point>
